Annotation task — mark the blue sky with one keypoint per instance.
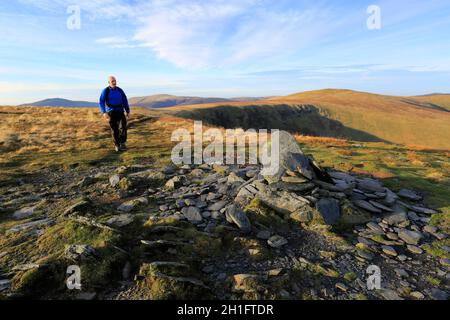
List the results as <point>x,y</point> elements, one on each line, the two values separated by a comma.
<point>221,48</point>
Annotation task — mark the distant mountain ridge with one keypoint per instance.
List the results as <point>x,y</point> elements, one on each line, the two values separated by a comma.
<point>59,102</point>
<point>153,101</point>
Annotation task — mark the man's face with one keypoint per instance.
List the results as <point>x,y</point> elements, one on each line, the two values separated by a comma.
<point>112,82</point>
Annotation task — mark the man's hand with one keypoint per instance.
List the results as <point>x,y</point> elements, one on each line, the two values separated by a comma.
<point>105,116</point>
<point>128,116</point>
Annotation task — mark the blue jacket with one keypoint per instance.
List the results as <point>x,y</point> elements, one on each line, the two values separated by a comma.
<point>117,100</point>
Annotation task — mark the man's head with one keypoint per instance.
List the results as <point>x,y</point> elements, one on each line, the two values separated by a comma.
<point>112,81</point>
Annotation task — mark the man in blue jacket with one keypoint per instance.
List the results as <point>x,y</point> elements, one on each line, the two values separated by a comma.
<point>113,105</point>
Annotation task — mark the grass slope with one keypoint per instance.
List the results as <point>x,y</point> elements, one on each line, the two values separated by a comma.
<point>398,120</point>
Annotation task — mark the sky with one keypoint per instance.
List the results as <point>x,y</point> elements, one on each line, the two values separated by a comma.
<point>221,48</point>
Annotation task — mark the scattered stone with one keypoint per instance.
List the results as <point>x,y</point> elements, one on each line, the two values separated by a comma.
<point>430,229</point>
<point>370,185</point>
<point>31,225</point>
<point>85,182</point>
<point>121,220</point>
<point>80,252</point>
<point>25,267</point>
<point>389,251</point>
<point>401,273</point>
<point>410,195</point>
<point>375,228</point>
<point>193,214</point>
<point>395,219</point>
<point>388,294</point>
<point>410,237</point>
<point>80,205</point>
<point>366,206</point>
<point>24,213</point>
<point>445,262</point>
<point>175,183</point>
<point>341,287</point>
<point>438,294</point>
<point>114,180</point>
<point>277,241</point>
<point>329,210</point>
<point>417,295</point>
<point>263,235</point>
<point>239,218</point>
<point>423,210</point>
<point>414,249</point>
<point>132,204</point>
<point>4,284</point>
<point>380,206</point>
<point>219,205</point>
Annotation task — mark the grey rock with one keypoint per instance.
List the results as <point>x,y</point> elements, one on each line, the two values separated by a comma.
<point>78,206</point>
<point>329,210</point>
<point>380,206</point>
<point>239,218</point>
<point>389,251</point>
<point>375,228</point>
<point>192,214</point>
<point>132,204</point>
<point>24,213</point>
<point>366,206</point>
<point>445,262</point>
<point>263,235</point>
<point>410,195</point>
<point>401,273</point>
<point>25,267</point>
<point>114,180</point>
<point>219,205</point>
<point>410,237</point>
<point>291,158</point>
<point>80,252</point>
<point>438,294</point>
<point>388,294</point>
<point>31,225</point>
<point>430,229</point>
<point>417,295</point>
<point>277,241</point>
<point>121,220</point>
<point>4,284</point>
<point>390,197</point>
<point>370,185</point>
<point>175,183</point>
<point>423,210</point>
<point>86,181</point>
<point>395,219</point>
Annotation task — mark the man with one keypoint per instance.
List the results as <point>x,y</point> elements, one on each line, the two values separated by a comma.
<point>113,105</point>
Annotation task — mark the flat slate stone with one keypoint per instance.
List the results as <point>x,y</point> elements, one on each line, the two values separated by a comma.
<point>329,209</point>
<point>366,206</point>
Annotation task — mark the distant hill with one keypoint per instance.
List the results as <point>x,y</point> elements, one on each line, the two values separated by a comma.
<point>441,100</point>
<point>337,113</point>
<point>58,102</point>
<point>166,101</point>
<point>155,101</point>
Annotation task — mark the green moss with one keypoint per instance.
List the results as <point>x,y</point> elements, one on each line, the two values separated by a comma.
<point>433,281</point>
<point>350,276</point>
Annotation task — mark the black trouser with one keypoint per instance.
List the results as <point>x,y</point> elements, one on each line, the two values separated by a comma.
<point>118,124</point>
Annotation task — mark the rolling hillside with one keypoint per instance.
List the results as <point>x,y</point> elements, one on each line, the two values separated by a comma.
<point>440,100</point>
<point>337,113</point>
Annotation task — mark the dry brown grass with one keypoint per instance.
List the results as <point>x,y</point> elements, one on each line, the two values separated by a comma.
<point>390,118</point>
